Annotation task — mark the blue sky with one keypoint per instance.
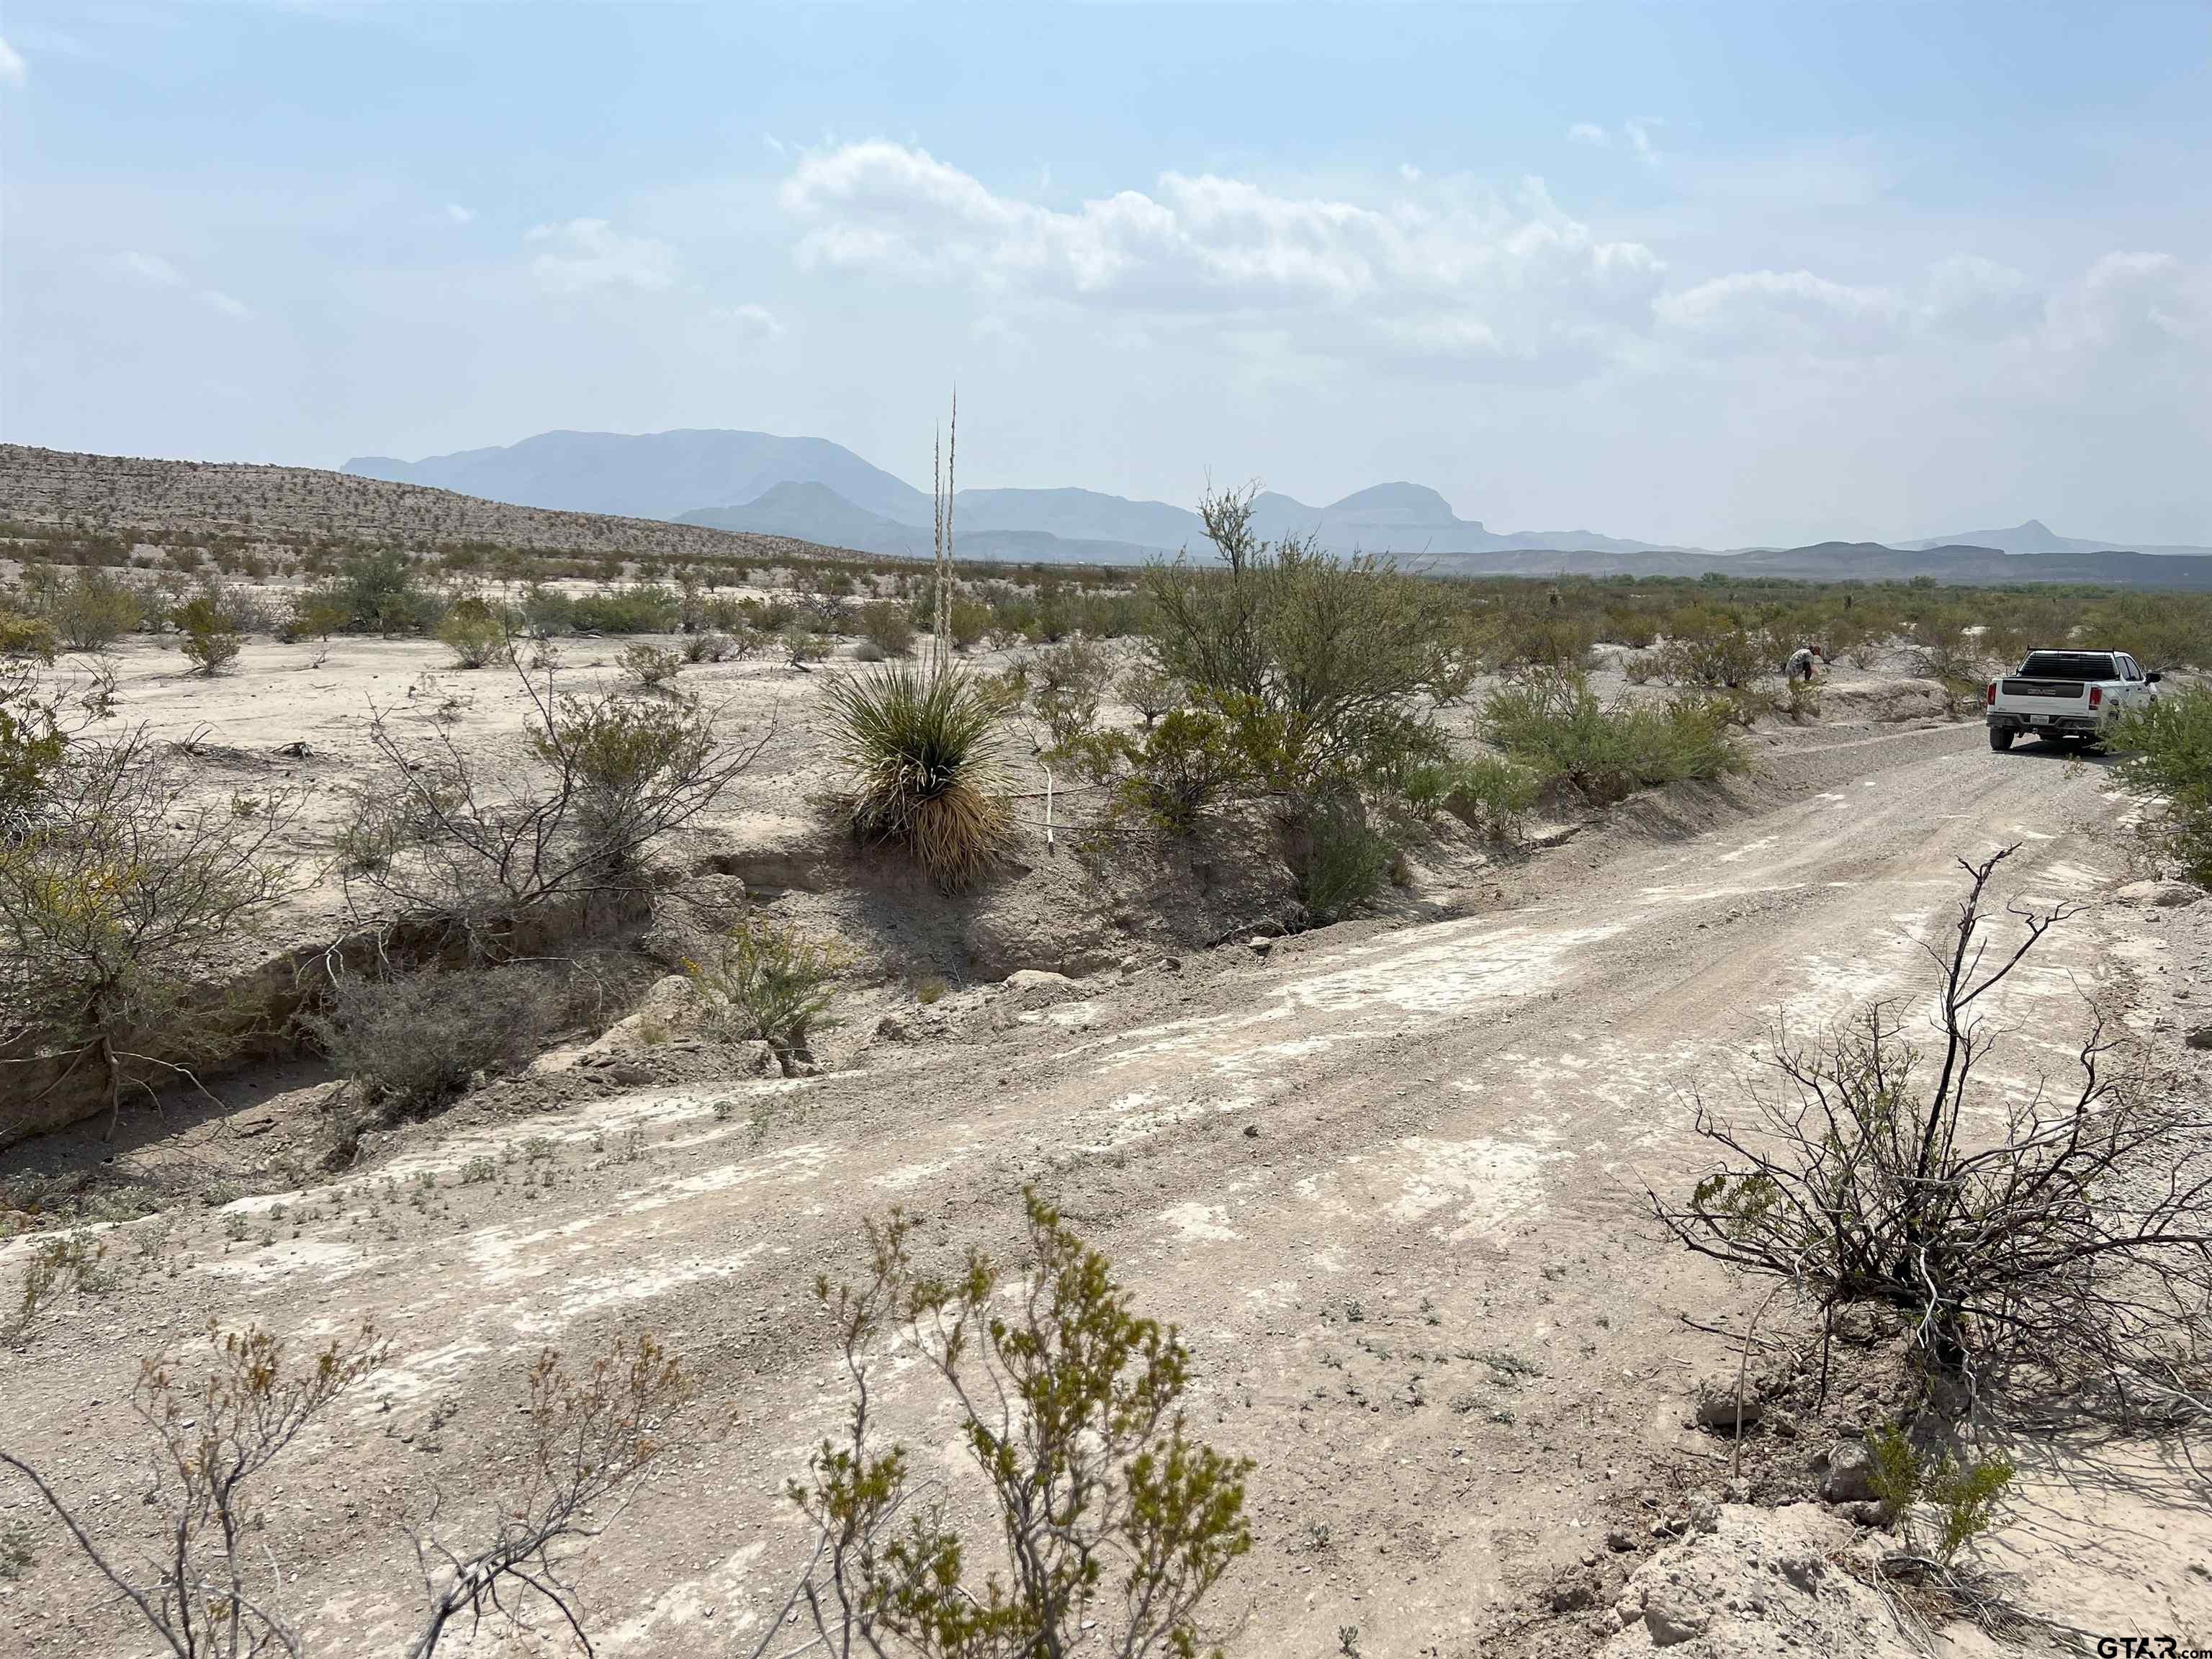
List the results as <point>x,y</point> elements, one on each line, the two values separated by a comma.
<point>1717,274</point>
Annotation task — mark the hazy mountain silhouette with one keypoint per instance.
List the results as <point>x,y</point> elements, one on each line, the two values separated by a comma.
<point>2036,537</point>
<point>654,475</point>
<point>820,491</point>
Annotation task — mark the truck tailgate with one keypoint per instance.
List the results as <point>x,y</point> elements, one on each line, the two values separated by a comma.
<point>2043,697</point>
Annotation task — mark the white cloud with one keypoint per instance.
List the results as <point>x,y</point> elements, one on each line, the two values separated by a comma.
<point>2137,305</point>
<point>12,69</point>
<point>216,299</point>
<point>1639,139</point>
<point>757,322</point>
<point>1588,132</point>
<point>459,214</point>
<point>1967,294</point>
<point>1784,311</point>
<point>590,253</point>
<point>2150,301</point>
<point>1451,262</point>
<point>150,268</point>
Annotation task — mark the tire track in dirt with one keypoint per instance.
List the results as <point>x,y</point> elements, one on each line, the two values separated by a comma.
<point>1422,1295</point>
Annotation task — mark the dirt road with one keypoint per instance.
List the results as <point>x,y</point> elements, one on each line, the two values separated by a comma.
<point>1388,1184</point>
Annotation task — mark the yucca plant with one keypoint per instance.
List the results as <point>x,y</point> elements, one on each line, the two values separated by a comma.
<point>928,772</point>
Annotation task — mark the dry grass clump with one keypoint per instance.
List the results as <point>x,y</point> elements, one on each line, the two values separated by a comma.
<point>927,767</point>
<point>411,1044</point>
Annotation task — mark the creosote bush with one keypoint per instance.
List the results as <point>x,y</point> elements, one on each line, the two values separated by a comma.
<point>2170,764</point>
<point>1963,1493</point>
<point>1170,775</point>
<point>1555,724</point>
<point>211,639</point>
<point>887,627</point>
<point>923,751</point>
<point>1341,859</point>
<point>1487,793</point>
<point>119,890</point>
<point>474,632</point>
<point>24,637</point>
<point>95,610</point>
<point>767,982</point>
<point>1115,1525</point>
<point>649,666</point>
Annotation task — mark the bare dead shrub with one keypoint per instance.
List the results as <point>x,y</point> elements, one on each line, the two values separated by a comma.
<point>481,841</point>
<point>2076,1240</point>
<point>214,1434</point>
<point>587,1439</point>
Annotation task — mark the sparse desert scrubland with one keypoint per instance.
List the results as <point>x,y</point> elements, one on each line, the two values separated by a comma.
<point>728,1097</point>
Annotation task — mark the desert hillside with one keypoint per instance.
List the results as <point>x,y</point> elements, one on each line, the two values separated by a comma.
<point>107,494</point>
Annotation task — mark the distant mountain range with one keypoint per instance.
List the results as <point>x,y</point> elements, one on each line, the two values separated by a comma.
<point>818,491</point>
<point>2036,537</point>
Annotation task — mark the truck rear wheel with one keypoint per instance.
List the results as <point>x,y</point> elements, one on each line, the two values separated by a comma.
<point>2001,737</point>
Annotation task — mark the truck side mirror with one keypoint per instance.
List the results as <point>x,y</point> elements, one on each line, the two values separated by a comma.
<point>2153,677</point>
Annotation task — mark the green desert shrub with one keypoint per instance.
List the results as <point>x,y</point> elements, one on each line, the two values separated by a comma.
<point>767,981</point>
<point>1721,655</point>
<point>1066,682</point>
<point>924,754</point>
<point>1341,859</point>
<point>1069,1407</point>
<point>887,627</point>
<point>1962,1493</point>
<point>1185,764</point>
<point>211,640</point>
<point>1551,639</point>
<point>315,614</point>
<point>95,610</point>
<point>1486,792</point>
<point>547,612</point>
<point>1555,724</point>
<point>649,666</point>
<point>620,760</point>
<point>969,623</point>
<point>380,592</point>
<point>648,609</point>
<point>1149,690</point>
<point>709,645</point>
<point>33,748</point>
<point>2170,765</point>
<point>1317,659</point>
<point>27,637</point>
<point>474,632</point>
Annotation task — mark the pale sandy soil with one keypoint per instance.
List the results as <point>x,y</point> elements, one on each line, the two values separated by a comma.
<point>1453,1122</point>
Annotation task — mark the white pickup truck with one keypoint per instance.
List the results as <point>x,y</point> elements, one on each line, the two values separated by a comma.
<point>2065,694</point>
